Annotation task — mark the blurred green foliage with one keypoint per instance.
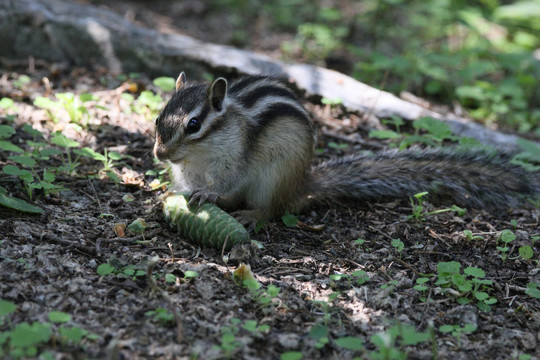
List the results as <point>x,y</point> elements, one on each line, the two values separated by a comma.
<point>477,53</point>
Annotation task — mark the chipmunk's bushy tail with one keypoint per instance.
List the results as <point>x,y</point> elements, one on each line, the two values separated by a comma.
<point>475,179</point>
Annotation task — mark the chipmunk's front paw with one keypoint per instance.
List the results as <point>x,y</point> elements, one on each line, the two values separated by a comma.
<point>200,196</point>
<point>248,218</point>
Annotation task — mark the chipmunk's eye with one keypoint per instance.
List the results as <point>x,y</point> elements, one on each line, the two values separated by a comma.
<point>193,126</point>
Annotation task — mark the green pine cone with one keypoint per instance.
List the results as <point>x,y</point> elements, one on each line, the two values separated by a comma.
<point>206,225</point>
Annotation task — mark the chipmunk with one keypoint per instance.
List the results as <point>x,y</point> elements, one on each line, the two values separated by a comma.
<point>249,146</point>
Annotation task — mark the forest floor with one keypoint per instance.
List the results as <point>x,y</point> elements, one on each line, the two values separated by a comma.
<point>367,280</point>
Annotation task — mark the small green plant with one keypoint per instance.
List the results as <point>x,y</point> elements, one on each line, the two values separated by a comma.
<point>107,159</point>
<point>506,236</point>
<point>28,174</point>
<point>165,83</point>
<point>289,219</point>
<point>253,327</point>
<point>319,333</point>
<point>428,131</point>
<point>26,170</point>
<point>292,355</point>
<point>469,286</point>
<point>360,276</point>
<point>331,102</point>
<point>21,81</point>
<point>350,343</point>
<point>315,42</point>
<point>161,315</point>
<point>470,236</point>
<point>229,344</point>
<point>390,285</point>
<point>161,180</point>
<point>398,245</point>
<point>529,157</point>
<point>115,268</point>
<point>69,163</point>
<point>390,343</point>
<point>8,105</point>
<point>417,207</point>
<point>25,339</point>
<point>421,287</point>
<point>73,105</point>
<point>418,213</point>
<point>533,290</point>
<point>457,330</point>
<point>148,104</point>
<point>265,296</point>
<point>526,252</point>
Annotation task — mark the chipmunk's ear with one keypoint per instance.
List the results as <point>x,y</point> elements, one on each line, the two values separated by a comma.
<point>180,81</point>
<point>217,93</point>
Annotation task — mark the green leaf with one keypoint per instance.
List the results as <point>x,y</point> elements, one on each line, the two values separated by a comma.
<point>59,317</point>
<point>519,10</point>
<point>250,325</point>
<point>49,151</point>
<point>526,252</point>
<point>291,355</point>
<point>105,269</point>
<point>88,97</point>
<point>384,134</point>
<point>18,204</point>
<point>165,83</point>
<point>318,331</point>
<point>328,101</point>
<point>31,131</point>
<point>446,328</point>
<point>289,220</point>
<point>336,146</point>
<point>533,290</point>
<point>88,152</point>
<point>6,103</point>
<point>6,307</point>
<point>481,295</point>
<point>113,155</point>
<point>170,278</point>
<point>412,337</point>
<point>7,146</point>
<point>530,148</point>
<point>190,274</point>
<point>23,160</point>
<point>350,343</point>
<point>137,226</point>
<point>507,236</point>
<point>474,271</point>
<point>74,334</point>
<point>48,176</point>
<point>63,141</point>
<point>45,103</point>
<point>6,131</point>
<point>14,170</point>
<point>446,268</point>
<point>470,92</point>
<point>433,126</point>
<point>25,335</point>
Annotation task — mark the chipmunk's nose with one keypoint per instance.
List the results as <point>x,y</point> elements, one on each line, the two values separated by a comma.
<point>160,152</point>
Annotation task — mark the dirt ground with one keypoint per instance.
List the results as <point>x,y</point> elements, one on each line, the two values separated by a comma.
<point>49,262</point>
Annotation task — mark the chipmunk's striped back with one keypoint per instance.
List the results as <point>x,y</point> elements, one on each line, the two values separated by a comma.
<point>264,100</point>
